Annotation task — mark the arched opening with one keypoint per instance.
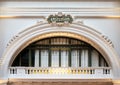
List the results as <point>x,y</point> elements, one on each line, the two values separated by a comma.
<point>44,31</point>
<point>59,52</point>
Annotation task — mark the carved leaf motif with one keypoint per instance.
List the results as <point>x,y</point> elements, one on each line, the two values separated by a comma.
<point>60,19</point>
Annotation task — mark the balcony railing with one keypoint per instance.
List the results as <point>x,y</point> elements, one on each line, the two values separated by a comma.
<point>60,73</point>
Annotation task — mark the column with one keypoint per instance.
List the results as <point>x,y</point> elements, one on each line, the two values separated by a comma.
<point>55,58</point>
<point>101,61</point>
<point>86,57</point>
<point>64,58</point>
<point>44,58</point>
<point>74,58</point>
<point>36,58</point>
<point>82,58</point>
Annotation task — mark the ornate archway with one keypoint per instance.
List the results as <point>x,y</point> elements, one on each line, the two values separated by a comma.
<point>74,30</point>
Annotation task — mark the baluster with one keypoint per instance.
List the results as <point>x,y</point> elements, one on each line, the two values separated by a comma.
<point>93,71</point>
<point>108,71</point>
<point>104,71</point>
<point>11,70</point>
<point>31,71</point>
<point>15,70</point>
<point>26,71</point>
<point>76,71</point>
<point>87,71</point>
<point>81,71</point>
<point>42,71</point>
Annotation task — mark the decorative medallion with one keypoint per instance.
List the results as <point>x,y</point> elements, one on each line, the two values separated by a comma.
<point>60,18</point>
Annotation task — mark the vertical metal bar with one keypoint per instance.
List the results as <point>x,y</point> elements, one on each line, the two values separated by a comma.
<point>89,58</point>
<point>30,63</point>
<point>99,60</point>
<point>49,57</point>
<point>39,58</point>
<point>59,57</point>
<point>20,60</point>
<point>69,57</point>
<point>80,52</point>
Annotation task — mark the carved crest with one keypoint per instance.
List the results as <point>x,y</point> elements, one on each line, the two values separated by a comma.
<point>60,18</point>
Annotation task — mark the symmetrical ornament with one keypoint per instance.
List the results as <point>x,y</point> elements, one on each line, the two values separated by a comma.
<point>60,19</point>
<point>13,39</point>
<point>108,40</point>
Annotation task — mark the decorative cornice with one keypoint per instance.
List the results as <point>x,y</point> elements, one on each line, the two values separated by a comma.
<point>44,12</point>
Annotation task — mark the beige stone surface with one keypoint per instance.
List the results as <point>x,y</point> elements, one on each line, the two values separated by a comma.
<point>63,83</point>
<point>116,84</point>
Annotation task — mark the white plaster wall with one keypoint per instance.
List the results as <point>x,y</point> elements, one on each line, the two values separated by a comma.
<point>109,27</point>
<point>61,3</point>
<point>10,27</point>
<point>1,40</point>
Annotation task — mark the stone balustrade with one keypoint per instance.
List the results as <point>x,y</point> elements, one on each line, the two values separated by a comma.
<point>60,72</point>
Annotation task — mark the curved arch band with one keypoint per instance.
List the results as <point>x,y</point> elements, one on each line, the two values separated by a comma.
<point>75,30</point>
